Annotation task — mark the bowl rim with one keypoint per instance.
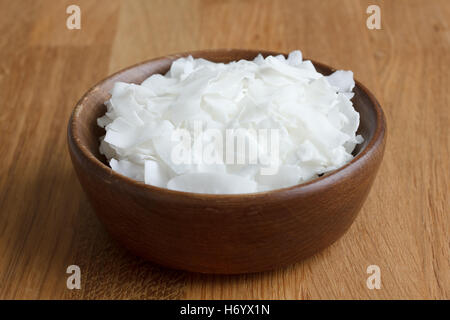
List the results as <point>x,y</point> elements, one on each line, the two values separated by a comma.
<point>312,185</point>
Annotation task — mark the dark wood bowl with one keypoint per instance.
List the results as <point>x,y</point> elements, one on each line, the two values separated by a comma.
<point>222,233</point>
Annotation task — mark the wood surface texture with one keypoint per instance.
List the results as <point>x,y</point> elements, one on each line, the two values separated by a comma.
<point>47,224</point>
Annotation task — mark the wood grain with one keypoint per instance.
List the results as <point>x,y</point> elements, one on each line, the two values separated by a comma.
<point>46,223</point>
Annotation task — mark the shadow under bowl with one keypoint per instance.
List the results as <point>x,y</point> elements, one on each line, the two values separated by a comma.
<point>224,234</point>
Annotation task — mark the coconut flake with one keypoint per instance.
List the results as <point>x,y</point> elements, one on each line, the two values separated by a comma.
<point>128,168</point>
<point>156,174</point>
<point>343,81</point>
<point>214,183</point>
<point>312,114</point>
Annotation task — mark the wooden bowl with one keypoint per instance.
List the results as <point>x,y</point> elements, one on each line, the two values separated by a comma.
<point>222,233</point>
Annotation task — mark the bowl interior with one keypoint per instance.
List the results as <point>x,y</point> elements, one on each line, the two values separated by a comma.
<point>91,106</point>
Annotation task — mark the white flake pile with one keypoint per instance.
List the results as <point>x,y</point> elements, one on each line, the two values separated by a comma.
<point>312,115</point>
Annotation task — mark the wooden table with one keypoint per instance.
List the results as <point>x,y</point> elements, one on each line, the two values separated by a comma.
<point>46,223</point>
